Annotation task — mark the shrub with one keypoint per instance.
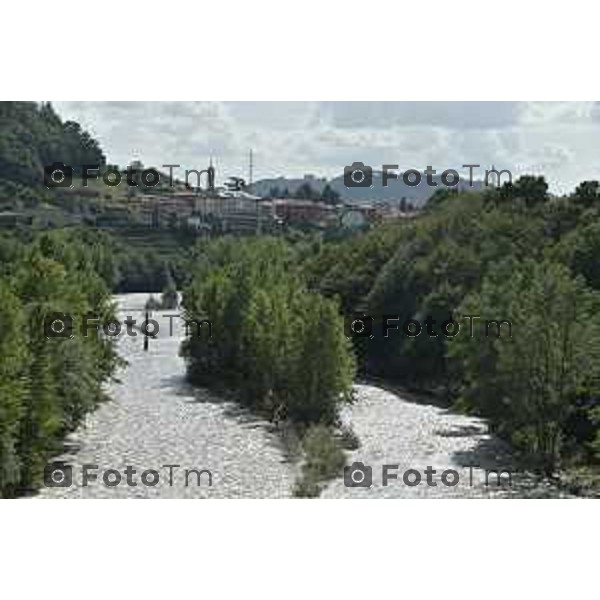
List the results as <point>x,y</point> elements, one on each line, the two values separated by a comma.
<point>323,459</point>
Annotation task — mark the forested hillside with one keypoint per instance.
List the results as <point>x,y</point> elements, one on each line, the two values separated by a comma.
<point>32,136</point>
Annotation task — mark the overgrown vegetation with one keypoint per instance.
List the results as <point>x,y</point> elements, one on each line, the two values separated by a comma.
<point>324,459</point>
<point>47,384</point>
<point>515,253</point>
<point>281,345</point>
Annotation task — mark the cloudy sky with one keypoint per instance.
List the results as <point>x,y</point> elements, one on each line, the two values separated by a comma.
<point>558,139</point>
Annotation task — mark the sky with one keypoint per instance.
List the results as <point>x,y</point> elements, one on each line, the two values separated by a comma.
<point>556,139</point>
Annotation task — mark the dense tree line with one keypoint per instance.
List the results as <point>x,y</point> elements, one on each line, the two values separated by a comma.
<point>306,192</point>
<point>128,267</point>
<point>281,345</point>
<point>512,253</point>
<point>47,384</point>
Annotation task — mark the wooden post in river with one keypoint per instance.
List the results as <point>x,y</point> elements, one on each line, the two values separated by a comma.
<point>145,332</point>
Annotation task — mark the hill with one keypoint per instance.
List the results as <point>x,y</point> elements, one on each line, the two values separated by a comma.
<point>393,193</point>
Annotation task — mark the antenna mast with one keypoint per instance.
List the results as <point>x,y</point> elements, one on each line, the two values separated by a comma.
<point>250,167</point>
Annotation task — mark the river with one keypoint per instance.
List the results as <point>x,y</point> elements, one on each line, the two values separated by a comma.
<point>156,419</point>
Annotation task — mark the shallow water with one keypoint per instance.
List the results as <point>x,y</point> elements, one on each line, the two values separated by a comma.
<point>415,436</point>
<point>157,419</point>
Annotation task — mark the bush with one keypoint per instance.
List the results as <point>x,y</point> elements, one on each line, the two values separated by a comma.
<point>323,459</point>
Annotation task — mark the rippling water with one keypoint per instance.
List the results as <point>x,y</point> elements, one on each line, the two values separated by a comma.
<point>417,436</point>
<point>157,419</point>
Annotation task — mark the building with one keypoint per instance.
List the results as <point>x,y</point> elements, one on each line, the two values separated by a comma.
<point>296,212</point>
<point>235,212</point>
<point>168,210</point>
<point>10,219</point>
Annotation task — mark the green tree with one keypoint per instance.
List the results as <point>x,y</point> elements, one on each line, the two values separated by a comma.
<point>330,196</point>
<point>305,192</point>
<point>528,384</point>
<point>530,189</point>
<point>14,365</point>
<point>587,194</point>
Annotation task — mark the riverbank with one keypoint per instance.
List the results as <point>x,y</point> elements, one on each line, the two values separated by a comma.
<point>415,436</point>
<point>156,418</point>
<point>497,453</point>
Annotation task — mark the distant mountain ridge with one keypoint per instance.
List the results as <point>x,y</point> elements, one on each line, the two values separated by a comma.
<point>393,193</point>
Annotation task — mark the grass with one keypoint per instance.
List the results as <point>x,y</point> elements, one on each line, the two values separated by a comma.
<point>582,481</point>
<point>324,459</point>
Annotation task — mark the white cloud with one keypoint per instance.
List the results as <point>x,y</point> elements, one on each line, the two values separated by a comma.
<point>292,138</point>
<point>457,115</point>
